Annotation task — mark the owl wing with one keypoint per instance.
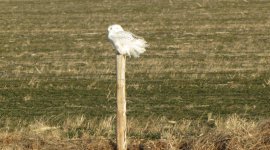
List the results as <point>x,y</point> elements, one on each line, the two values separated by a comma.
<point>121,41</point>
<point>127,43</point>
<point>122,35</point>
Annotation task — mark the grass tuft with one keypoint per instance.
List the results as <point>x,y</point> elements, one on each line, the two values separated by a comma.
<point>233,132</point>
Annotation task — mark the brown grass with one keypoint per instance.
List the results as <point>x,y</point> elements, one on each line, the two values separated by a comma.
<point>80,133</point>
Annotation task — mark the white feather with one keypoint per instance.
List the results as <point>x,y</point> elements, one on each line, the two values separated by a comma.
<point>125,42</point>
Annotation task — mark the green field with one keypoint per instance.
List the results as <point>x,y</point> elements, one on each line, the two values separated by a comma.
<point>205,56</point>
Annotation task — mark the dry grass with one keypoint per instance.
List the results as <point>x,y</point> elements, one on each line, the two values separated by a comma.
<point>206,56</point>
<point>80,133</point>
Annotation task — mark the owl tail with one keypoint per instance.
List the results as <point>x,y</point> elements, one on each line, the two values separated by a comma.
<point>138,47</point>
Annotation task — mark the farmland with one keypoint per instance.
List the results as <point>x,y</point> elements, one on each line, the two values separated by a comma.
<point>205,56</point>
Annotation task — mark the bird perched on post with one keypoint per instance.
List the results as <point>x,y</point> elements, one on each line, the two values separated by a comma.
<point>126,43</point>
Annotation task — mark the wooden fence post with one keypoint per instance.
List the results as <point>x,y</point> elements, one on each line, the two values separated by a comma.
<point>121,103</point>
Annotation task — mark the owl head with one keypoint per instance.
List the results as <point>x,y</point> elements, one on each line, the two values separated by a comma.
<point>115,28</point>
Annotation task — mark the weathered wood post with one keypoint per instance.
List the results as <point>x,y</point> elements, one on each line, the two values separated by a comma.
<point>121,103</point>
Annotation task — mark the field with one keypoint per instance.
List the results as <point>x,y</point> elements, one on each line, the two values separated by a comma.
<point>205,57</point>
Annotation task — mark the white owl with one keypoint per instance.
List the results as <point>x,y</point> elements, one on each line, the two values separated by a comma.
<point>126,43</point>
